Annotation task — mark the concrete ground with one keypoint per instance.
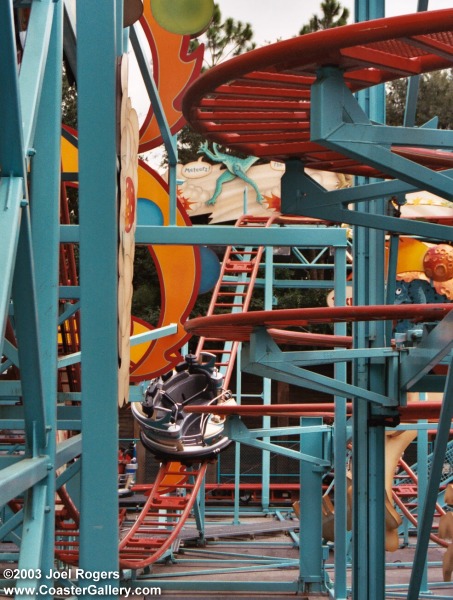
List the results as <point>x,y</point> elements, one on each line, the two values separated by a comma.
<point>206,568</point>
<point>261,551</point>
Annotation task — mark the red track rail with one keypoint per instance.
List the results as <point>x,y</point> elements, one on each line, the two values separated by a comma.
<point>398,495</point>
<point>155,529</point>
<point>259,103</point>
<point>161,519</point>
<point>411,412</point>
<point>238,327</point>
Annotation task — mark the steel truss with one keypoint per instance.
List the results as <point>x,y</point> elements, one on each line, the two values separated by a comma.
<point>30,111</point>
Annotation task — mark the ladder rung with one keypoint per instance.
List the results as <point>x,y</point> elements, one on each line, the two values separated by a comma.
<point>228,304</point>
<point>232,294</point>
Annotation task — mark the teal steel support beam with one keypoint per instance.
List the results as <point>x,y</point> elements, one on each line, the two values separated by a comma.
<point>167,136</point>
<point>368,577</point>
<point>13,171</point>
<point>28,337</point>
<point>11,195</point>
<point>359,138</point>
<point>32,550</point>
<point>413,84</point>
<point>18,478</point>
<point>12,416</point>
<point>97,76</point>
<point>432,349</point>
<point>422,481</point>
<point>68,450</point>
<point>426,515</point>
<point>266,457</point>
<point>301,195</point>
<point>340,439</point>
<point>11,140</point>
<point>339,355</point>
<point>11,524</point>
<point>45,213</point>
<point>311,571</point>
<point>145,69</point>
<point>140,338</point>
<point>239,236</point>
<point>238,432</point>
<point>264,358</point>
<point>67,474</point>
<point>33,67</point>
<point>304,236</point>
<point>11,353</point>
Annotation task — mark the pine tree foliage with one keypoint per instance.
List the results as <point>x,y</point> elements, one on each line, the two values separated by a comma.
<point>334,15</point>
<point>435,98</point>
<point>224,39</point>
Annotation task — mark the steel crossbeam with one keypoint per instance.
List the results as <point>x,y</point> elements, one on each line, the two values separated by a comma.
<point>238,432</point>
<point>431,350</point>
<point>301,195</point>
<point>265,357</point>
<point>21,476</point>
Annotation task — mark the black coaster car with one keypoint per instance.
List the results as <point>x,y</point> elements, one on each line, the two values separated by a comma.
<point>167,430</point>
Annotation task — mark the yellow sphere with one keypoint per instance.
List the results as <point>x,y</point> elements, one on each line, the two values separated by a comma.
<point>185,17</point>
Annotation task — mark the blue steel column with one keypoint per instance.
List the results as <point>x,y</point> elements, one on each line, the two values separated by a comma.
<point>21,99</point>
<point>266,456</point>
<point>422,481</point>
<point>368,441</point>
<point>340,441</point>
<point>97,72</point>
<point>45,193</point>
<point>310,536</point>
<point>11,159</point>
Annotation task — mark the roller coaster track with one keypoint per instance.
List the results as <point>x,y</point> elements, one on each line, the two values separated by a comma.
<point>404,496</point>
<point>156,527</point>
<point>173,494</point>
<point>162,517</point>
<point>233,293</point>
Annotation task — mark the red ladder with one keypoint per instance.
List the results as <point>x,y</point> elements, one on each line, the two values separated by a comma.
<point>233,293</point>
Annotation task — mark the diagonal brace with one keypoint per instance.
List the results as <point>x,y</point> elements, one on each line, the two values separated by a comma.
<point>302,195</point>
<point>11,195</point>
<point>422,358</point>
<point>340,124</point>
<point>238,432</point>
<point>264,358</point>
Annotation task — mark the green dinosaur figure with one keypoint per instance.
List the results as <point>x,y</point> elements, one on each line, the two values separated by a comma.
<point>235,167</point>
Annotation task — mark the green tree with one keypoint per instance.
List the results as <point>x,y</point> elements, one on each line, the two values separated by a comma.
<point>69,101</point>
<point>435,98</point>
<point>223,39</point>
<point>334,15</point>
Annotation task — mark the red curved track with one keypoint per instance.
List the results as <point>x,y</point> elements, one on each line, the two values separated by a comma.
<point>259,103</point>
<point>161,519</point>
<point>155,528</point>
<point>412,412</point>
<point>239,326</point>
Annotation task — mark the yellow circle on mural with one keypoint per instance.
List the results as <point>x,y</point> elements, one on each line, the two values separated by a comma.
<point>185,17</point>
